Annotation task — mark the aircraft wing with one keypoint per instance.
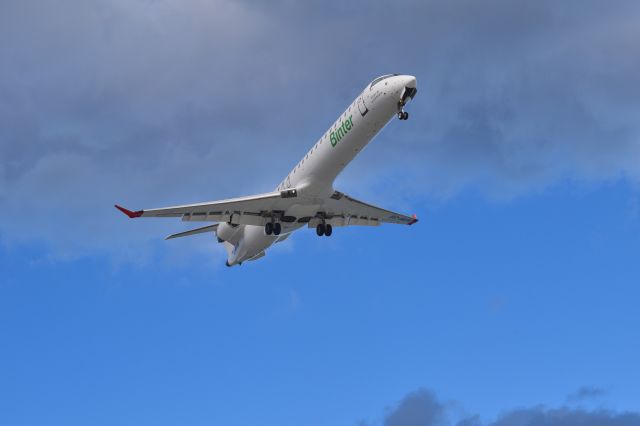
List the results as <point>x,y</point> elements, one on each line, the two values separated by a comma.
<point>339,210</point>
<point>251,210</point>
<point>344,210</point>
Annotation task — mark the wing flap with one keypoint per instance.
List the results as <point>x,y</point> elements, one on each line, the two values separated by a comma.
<point>257,256</point>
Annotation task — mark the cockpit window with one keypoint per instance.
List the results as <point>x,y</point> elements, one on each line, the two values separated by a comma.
<point>379,79</point>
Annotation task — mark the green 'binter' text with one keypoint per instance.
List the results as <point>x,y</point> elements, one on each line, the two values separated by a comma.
<point>341,131</point>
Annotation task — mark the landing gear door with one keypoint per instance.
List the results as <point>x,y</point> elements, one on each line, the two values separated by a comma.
<point>362,107</point>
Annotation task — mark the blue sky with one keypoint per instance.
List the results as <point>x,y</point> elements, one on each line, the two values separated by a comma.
<point>512,302</point>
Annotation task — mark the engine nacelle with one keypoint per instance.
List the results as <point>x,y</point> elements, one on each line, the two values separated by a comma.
<point>228,232</point>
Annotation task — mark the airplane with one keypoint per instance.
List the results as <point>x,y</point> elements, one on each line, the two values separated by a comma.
<point>248,226</point>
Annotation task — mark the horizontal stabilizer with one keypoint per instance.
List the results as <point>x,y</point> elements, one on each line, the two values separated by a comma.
<point>210,228</point>
<point>283,237</point>
<point>257,256</point>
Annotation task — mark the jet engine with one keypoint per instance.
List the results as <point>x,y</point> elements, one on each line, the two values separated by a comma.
<point>229,232</point>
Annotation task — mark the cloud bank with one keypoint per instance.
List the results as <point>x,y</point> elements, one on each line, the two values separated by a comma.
<point>422,408</point>
<point>152,103</point>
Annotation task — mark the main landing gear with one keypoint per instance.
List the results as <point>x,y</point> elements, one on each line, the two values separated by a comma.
<point>272,228</point>
<point>324,229</point>
<point>403,115</point>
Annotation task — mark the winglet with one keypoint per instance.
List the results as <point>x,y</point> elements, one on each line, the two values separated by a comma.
<point>414,220</point>
<point>129,212</point>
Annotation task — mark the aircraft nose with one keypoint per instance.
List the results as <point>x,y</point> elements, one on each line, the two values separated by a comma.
<point>410,82</point>
<point>410,88</point>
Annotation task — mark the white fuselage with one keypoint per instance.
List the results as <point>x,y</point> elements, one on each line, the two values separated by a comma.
<point>314,175</point>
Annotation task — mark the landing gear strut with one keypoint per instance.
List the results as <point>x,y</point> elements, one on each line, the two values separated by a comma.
<point>402,114</point>
<point>324,229</point>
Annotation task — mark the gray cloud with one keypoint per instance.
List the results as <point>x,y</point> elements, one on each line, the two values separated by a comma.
<point>151,102</point>
<point>422,408</point>
<point>586,393</point>
<point>567,417</point>
<point>416,409</point>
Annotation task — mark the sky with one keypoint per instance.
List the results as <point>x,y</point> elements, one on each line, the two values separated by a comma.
<point>513,302</point>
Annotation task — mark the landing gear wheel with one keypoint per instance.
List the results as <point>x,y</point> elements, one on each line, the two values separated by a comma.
<point>405,115</point>
<point>320,229</point>
<point>277,228</point>
<point>328,229</point>
<point>268,228</point>
<point>401,115</point>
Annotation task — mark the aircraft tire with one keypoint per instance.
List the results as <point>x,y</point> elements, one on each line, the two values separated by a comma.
<point>328,229</point>
<point>268,228</point>
<point>277,228</point>
<point>320,229</point>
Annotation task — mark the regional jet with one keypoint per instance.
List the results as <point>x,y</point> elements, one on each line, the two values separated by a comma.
<point>248,226</point>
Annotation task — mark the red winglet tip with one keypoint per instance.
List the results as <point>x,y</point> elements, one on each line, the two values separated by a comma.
<point>129,212</point>
<point>415,219</point>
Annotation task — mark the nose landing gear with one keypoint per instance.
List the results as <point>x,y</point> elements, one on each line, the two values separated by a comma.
<point>407,94</point>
